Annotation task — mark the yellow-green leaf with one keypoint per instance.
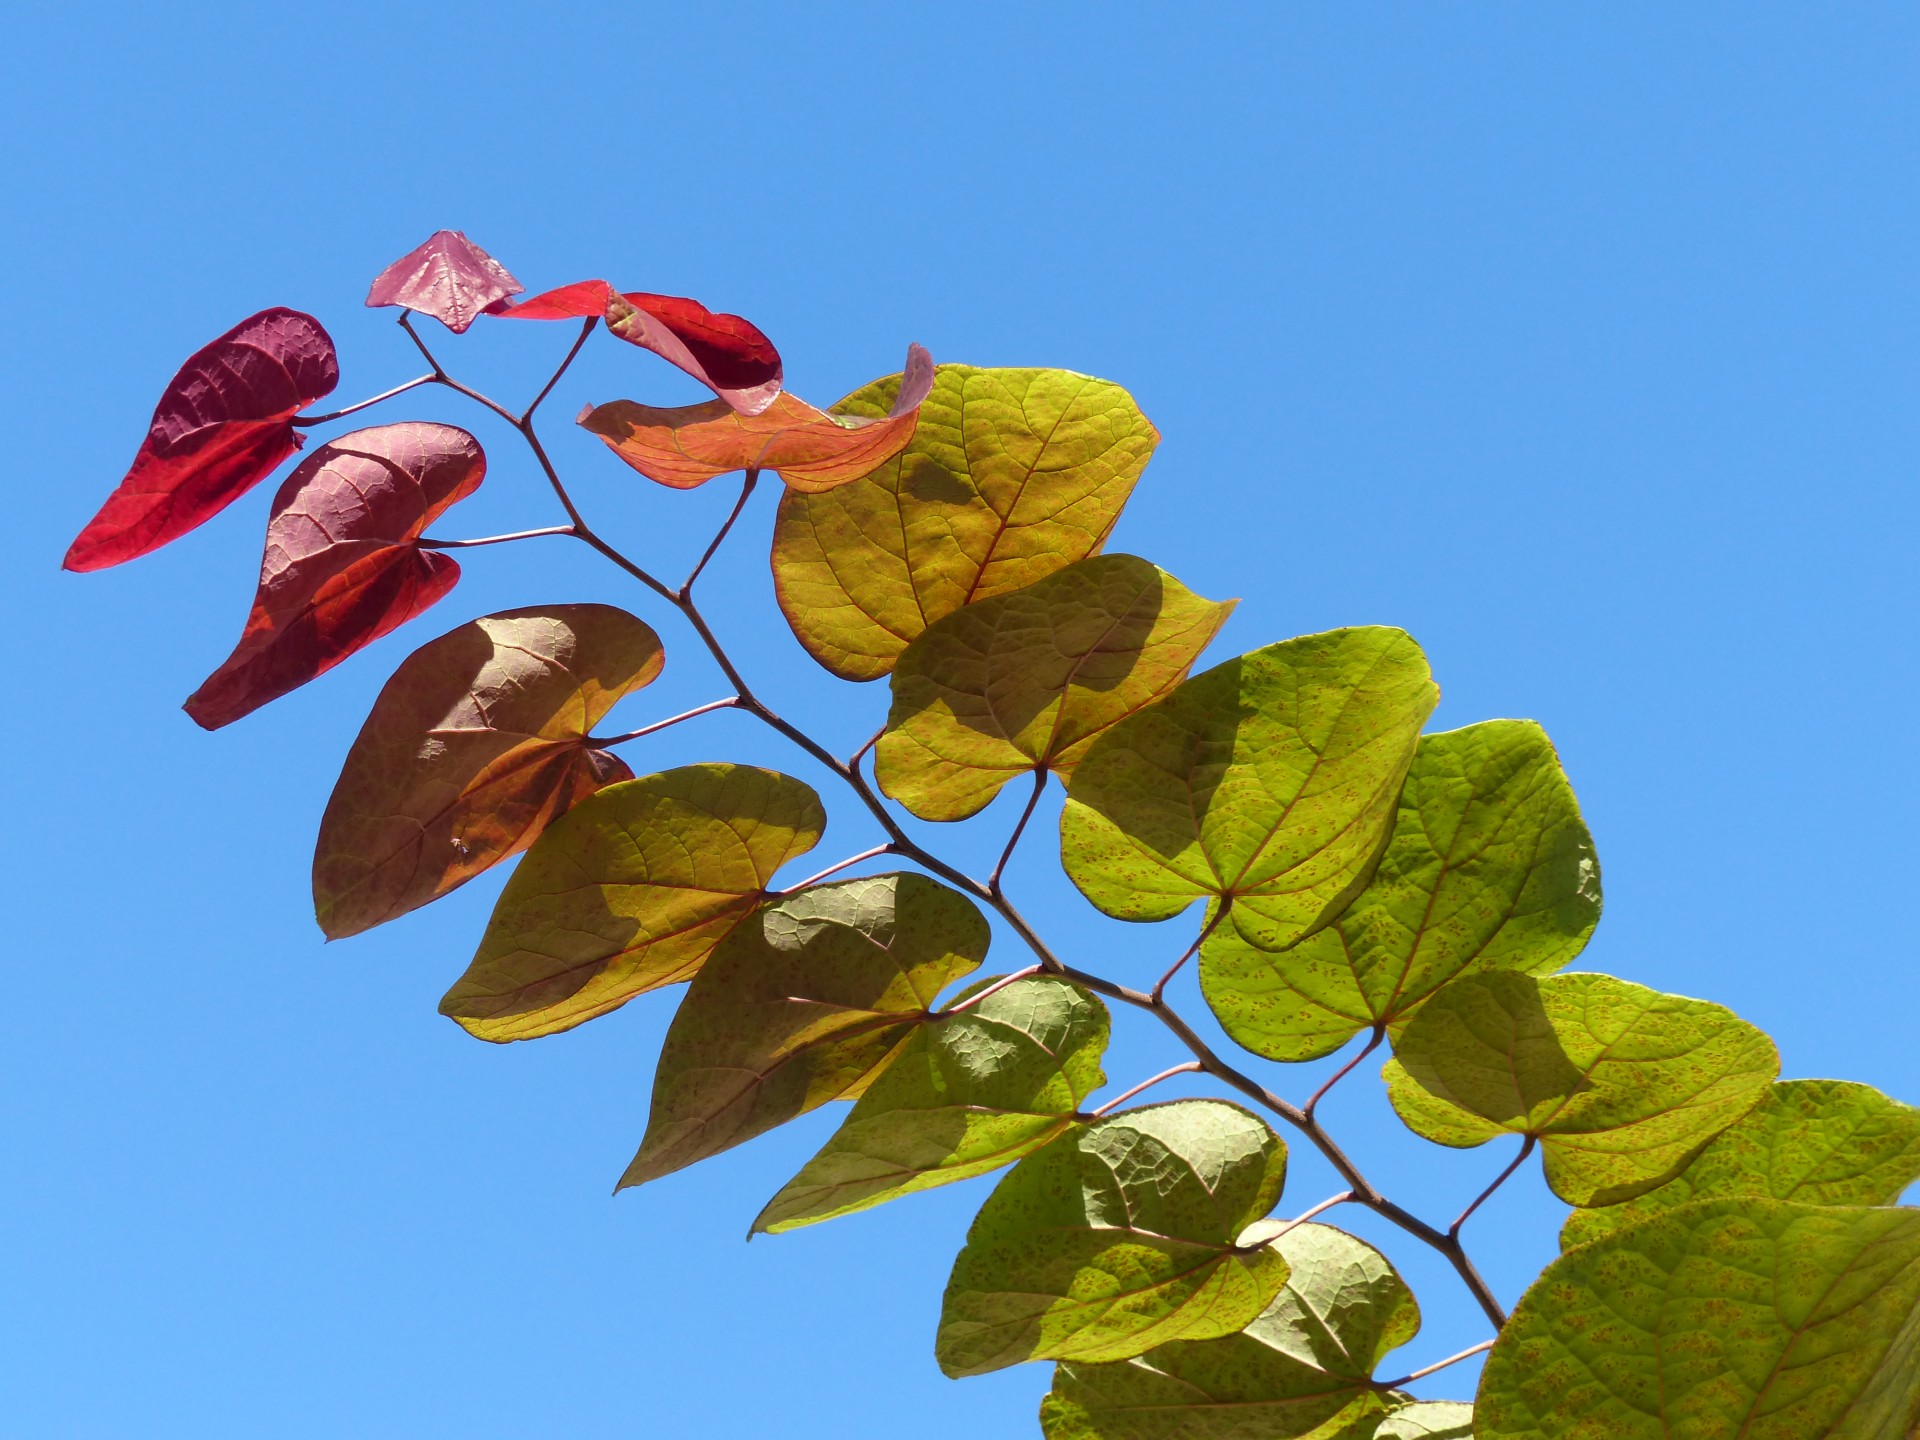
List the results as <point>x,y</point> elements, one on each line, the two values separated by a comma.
<point>1427,1420</point>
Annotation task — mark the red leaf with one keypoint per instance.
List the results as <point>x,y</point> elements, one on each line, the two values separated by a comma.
<point>449,278</point>
<point>341,566</point>
<point>577,301</point>
<point>220,428</point>
<point>723,352</point>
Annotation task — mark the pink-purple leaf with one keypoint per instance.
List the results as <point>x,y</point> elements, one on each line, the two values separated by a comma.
<point>449,278</point>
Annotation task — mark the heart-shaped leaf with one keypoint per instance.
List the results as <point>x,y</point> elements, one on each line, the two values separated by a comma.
<point>1119,1236</point>
<point>1824,1142</point>
<point>1489,868</point>
<point>1011,474</point>
<point>1027,680</point>
<point>448,277</point>
<point>222,425</point>
<point>803,1004</point>
<point>1268,781</point>
<point>628,891</point>
<point>342,564</point>
<point>968,1094</point>
<point>1621,1085</point>
<point>474,747</point>
<point>1732,1319</point>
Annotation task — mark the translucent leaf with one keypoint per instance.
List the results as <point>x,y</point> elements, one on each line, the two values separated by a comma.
<point>803,1004</point>
<point>1118,1237</point>
<point>1269,780</point>
<point>1490,868</point>
<point>1028,679</point>
<point>448,277</point>
<point>1622,1085</point>
<point>1428,1420</point>
<point>967,1095</point>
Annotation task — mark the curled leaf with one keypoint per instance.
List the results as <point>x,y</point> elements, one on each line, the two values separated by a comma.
<point>723,352</point>
<point>223,423</point>
<point>448,277</point>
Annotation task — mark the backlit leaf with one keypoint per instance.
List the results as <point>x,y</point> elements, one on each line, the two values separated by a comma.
<point>1011,475</point>
<point>803,1004</point>
<point>1028,679</point>
<point>1118,1237</point>
<point>222,425</point>
<point>967,1095</point>
<point>342,567</point>
<point>1428,1420</point>
<point>1824,1142</point>
<point>1731,1319</point>
<point>448,277</point>
<point>628,891</point>
<point>475,745</point>
<point>1490,868</point>
<point>1622,1085</point>
<point>1269,780</point>
<point>581,300</point>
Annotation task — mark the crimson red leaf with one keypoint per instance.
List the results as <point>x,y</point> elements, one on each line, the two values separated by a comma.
<point>220,428</point>
<point>577,301</point>
<point>723,352</point>
<point>449,278</point>
<point>342,567</point>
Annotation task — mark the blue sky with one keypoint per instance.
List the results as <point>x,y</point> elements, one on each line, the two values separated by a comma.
<point>1576,340</point>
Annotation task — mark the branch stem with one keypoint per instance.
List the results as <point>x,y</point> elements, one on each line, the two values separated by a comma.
<point>746,493</point>
<point>1185,1068</point>
<point>960,1007</point>
<point>428,543</point>
<point>835,869</point>
<point>1436,1367</point>
<point>1019,827</point>
<point>1373,1044</point>
<point>602,742</point>
<point>1219,914</point>
<point>303,421</point>
<point>1526,1149</point>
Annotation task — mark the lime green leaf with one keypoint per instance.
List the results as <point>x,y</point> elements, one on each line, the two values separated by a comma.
<point>628,891</point>
<point>1116,1238</point>
<point>1825,1142</point>
<point>1269,780</point>
<point>1489,868</point>
<point>804,1004</point>
<point>1026,680</point>
<point>967,1095</point>
<point>1428,1420</point>
<point>1734,1319</point>
<point>1011,475</point>
<point>1621,1085</point>
<point>1303,1367</point>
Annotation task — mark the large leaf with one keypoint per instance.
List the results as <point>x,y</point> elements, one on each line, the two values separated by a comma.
<point>1490,868</point>
<point>1027,680</point>
<point>1303,1367</point>
<point>475,745</point>
<point>1732,1319</point>
<point>628,891</point>
<point>1118,1237</point>
<point>342,564</point>
<point>448,277</point>
<point>1621,1085</point>
<point>1269,781</point>
<point>968,1094</point>
<point>1011,475</point>
<point>1825,1142</point>
<point>803,1004</point>
<point>222,425</point>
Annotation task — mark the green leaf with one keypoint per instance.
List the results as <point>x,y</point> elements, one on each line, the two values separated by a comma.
<point>474,746</point>
<point>1011,475</point>
<point>628,891</point>
<point>1621,1085</point>
<point>967,1095</point>
<point>1303,1367</point>
<point>1027,680</point>
<point>1269,780</point>
<point>1116,1238</point>
<point>1489,868</point>
<point>804,1004</point>
<point>1428,1420</point>
<point>1733,1319</point>
<point>1825,1142</point>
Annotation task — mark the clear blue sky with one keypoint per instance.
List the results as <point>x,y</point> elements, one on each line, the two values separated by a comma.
<point>1577,340</point>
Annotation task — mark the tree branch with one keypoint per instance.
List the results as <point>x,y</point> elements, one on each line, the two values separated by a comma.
<point>1526,1149</point>
<point>1019,826</point>
<point>1373,1044</point>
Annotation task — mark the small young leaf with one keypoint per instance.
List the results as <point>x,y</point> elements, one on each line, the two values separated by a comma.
<point>1269,781</point>
<point>1011,474</point>
<point>222,425</point>
<point>1621,1085</point>
<point>342,565</point>
<point>1732,1319</point>
<point>1490,868</point>
<point>1427,1420</point>
<point>448,277</point>
<point>967,1095</point>
<point>1118,1237</point>
<point>1824,1142</point>
<point>474,747</point>
<point>1029,679</point>
<point>628,891</point>
<point>803,1004</point>
<point>582,300</point>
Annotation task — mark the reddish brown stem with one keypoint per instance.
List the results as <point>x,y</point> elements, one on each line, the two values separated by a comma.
<point>1185,1068</point>
<point>1373,1044</point>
